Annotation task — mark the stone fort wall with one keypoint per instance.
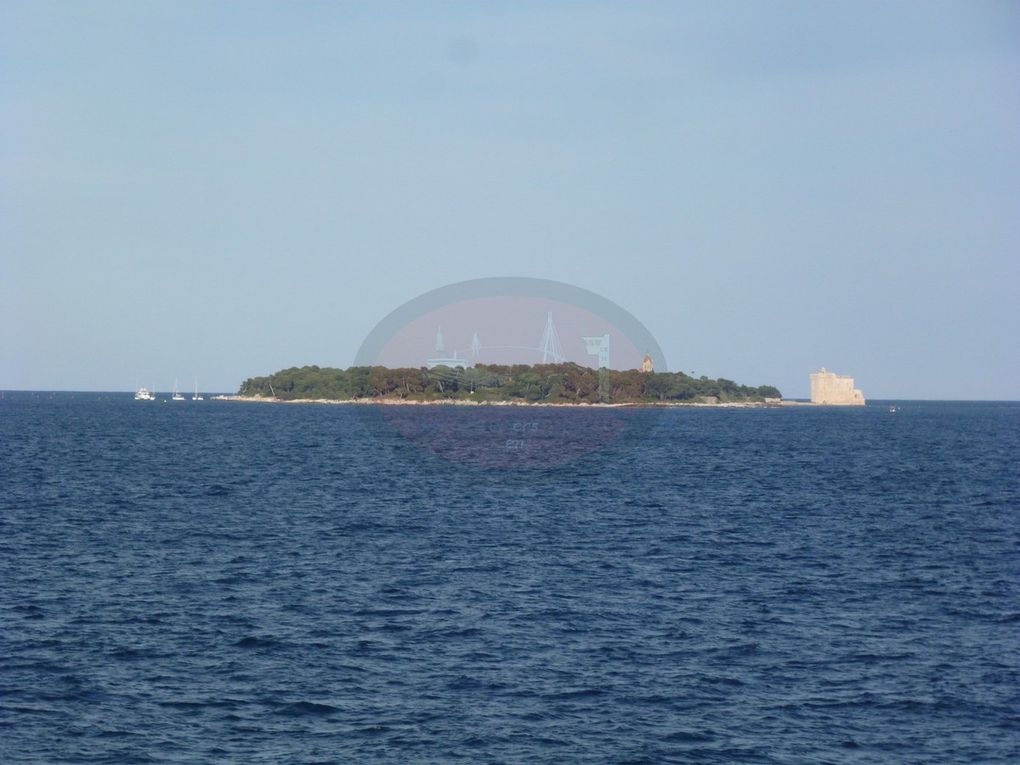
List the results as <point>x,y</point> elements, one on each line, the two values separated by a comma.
<point>833,389</point>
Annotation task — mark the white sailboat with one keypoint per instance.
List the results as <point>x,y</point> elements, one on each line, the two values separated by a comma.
<point>177,393</point>
<point>197,397</point>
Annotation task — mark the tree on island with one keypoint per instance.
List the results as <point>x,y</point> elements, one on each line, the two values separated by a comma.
<point>541,383</point>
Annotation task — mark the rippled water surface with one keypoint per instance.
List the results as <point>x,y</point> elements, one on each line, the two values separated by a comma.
<point>217,581</point>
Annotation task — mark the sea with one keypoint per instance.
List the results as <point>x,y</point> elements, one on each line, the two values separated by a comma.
<point>217,581</point>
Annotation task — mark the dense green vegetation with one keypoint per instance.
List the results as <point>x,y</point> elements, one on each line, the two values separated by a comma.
<point>547,383</point>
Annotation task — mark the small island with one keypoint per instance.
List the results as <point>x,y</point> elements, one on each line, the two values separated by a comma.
<point>539,384</point>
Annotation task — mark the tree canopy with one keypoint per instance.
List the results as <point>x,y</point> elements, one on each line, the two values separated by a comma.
<point>545,383</point>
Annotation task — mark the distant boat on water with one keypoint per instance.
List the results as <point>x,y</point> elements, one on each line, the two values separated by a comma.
<point>197,397</point>
<point>177,393</point>
<point>144,394</point>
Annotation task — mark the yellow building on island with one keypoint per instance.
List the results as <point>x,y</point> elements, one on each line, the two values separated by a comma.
<point>832,389</point>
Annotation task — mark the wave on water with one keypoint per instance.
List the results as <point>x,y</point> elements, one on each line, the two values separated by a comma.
<point>266,584</point>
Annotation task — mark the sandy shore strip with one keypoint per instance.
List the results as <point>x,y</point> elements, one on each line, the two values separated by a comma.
<point>461,402</point>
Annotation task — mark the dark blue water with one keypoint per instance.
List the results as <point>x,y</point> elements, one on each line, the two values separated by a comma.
<point>257,583</point>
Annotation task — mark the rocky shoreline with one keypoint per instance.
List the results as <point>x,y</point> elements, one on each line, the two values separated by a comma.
<point>462,402</point>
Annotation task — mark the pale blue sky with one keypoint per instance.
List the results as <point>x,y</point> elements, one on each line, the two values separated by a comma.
<point>220,189</point>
